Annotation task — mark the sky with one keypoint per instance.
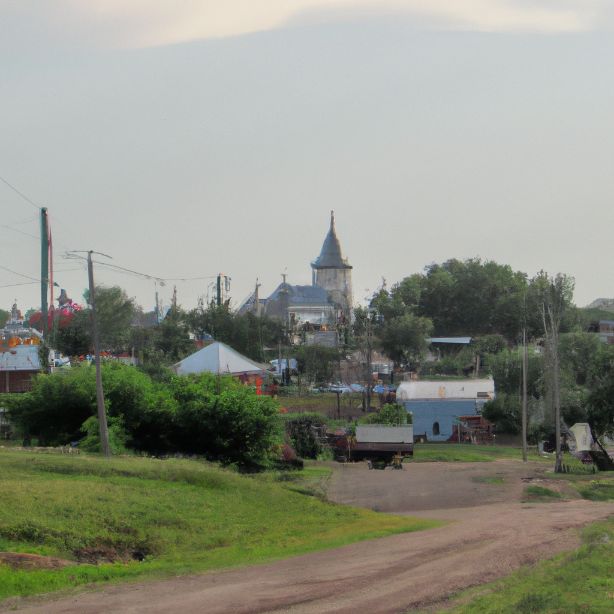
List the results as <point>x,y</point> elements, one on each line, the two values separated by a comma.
<point>189,138</point>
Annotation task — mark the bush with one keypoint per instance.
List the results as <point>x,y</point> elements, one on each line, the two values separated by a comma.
<point>300,428</point>
<point>91,441</point>
<point>217,417</point>
<point>504,412</point>
<point>391,413</point>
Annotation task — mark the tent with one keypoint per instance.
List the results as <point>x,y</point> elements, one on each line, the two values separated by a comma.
<point>220,359</point>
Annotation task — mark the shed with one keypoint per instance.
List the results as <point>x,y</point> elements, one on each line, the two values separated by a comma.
<point>436,406</point>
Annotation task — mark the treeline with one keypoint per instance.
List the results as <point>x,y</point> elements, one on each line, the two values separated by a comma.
<point>571,373</point>
<point>472,298</point>
<point>586,387</point>
<point>124,327</point>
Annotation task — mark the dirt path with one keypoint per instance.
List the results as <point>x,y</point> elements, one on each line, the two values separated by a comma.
<point>393,574</point>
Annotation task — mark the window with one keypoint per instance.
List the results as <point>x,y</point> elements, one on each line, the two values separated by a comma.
<point>435,428</point>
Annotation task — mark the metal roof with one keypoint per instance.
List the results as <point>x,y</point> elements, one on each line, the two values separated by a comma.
<point>383,433</point>
<point>20,358</point>
<point>330,255</point>
<point>301,295</point>
<point>217,358</point>
<point>447,389</point>
<point>451,340</point>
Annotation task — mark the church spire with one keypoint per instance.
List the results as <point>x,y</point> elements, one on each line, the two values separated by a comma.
<point>330,256</point>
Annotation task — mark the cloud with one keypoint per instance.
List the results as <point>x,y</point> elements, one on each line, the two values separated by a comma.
<point>145,23</point>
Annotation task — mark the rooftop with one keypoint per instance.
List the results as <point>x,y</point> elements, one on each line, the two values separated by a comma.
<point>330,255</point>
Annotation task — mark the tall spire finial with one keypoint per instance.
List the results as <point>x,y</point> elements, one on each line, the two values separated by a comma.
<point>332,218</point>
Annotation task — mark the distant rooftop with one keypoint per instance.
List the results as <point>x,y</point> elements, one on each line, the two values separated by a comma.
<point>451,340</point>
<point>301,295</point>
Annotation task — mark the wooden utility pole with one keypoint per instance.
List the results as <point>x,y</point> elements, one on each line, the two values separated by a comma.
<point>44,271</point>
<point>102,415</point>
<point>525,365</point>
<point>369,332</point>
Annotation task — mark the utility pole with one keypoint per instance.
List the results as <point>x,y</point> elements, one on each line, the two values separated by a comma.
<point>44,271</point>
<point>257,299</point>
<point>218,299</point>
<point>102,415</point>
<point>525,365</point>
<point>369,361</point>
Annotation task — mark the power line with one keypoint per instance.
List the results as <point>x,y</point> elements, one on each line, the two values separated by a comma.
<point>19,192</point>
<point>33,279</point>
<point>19,274</point>
<point>143,275</point>
<point>21,232</point>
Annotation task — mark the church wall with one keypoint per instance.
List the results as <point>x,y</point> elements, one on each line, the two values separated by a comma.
<point>339,283</point>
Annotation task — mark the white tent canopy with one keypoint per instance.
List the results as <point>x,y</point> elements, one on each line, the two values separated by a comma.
<point>217,358</point>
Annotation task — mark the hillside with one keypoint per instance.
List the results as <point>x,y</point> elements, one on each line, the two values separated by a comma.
<point>131,517</point>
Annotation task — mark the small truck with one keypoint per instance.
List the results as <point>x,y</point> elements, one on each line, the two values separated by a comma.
<point>379,444</point>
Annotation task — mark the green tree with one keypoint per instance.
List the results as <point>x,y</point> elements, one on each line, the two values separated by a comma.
<point>115,312</point>
<point>600,397</point>
<point>405,339</point>
<point>4,317</point>
<point>316,363</point>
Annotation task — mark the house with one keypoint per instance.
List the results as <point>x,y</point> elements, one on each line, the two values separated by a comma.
<point>19,354</point>
<point>437,406</point>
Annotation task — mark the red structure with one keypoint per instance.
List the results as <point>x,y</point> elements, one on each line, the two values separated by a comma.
<point>472,429</point>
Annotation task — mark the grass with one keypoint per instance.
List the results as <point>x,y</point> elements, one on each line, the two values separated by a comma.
<point>597,490</point>
<point>540,493</point>
<point>466,453</point>
<point>179,516</point>
<point>581,581</point>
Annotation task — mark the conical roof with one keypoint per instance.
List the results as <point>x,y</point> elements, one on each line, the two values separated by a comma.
<point>330,255</point>
<point>217,358</point>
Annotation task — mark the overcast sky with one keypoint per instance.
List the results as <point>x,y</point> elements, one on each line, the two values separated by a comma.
<point>190,138</point>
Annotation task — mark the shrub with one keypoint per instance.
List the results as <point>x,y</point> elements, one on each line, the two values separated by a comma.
<point>91,441</point>
<point>217,417</point>
<point>391,413</point>
<point>301,429</point>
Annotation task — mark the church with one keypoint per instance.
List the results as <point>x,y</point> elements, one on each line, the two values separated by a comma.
<point>315,314</point>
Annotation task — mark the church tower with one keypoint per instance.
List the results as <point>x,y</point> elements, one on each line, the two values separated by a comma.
<point>331,271</point>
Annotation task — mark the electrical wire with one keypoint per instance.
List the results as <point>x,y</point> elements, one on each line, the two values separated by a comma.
<point>4,268</point>
<point>34,281</point>
<point>20,193</point>
<point>21,232</point>
<point>135,273</point>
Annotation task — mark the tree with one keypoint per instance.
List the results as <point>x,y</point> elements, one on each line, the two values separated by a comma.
<point>74,338</point>
<point>600,397</point>
<point>555,295</point>
<point>115,313</point>
<point>405,338</point>
<point>171,336</point>
<point>246,333</point>
<point>316,363</point>
<point>4,317</point>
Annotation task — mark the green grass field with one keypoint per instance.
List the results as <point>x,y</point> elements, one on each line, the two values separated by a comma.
<point>467,453</point>
<point>180,516</point>
<point>580,581</point>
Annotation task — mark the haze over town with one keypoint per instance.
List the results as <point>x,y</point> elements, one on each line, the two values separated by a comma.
<point>186,142</point>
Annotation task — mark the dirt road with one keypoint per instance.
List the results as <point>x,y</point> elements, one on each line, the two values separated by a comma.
<point>482,542</point>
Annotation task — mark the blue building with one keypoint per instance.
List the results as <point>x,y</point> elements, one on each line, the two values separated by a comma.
<point>436,405</point>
